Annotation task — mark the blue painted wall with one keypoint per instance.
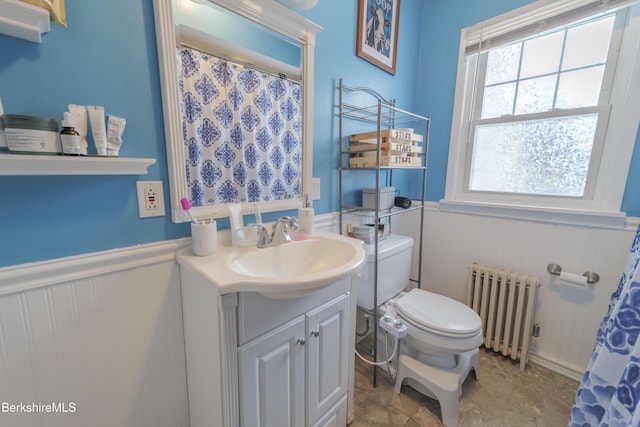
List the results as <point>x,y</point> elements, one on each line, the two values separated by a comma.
<point>107,56</point>
<point>335,59</point>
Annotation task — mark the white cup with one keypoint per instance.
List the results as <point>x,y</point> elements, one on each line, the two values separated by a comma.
<point>204,237</point>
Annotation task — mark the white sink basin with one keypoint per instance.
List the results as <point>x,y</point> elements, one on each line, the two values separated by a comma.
<point>295,259</point>
<point>286,271</point>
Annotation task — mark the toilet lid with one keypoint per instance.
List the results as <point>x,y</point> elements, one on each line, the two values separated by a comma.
<point>438,313</point>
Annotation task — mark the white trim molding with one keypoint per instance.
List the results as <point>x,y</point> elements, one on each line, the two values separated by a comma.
<point>545,362</point>
<point>586,218</point>
<point>269,14</point>
<point>23,277</point>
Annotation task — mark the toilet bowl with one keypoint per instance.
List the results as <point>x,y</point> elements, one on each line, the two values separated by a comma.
<point>438,327</point>
<point>441,346</point>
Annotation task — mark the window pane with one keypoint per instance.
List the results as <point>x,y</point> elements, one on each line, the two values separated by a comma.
<point>540,157</point>
<point>536,95</point>
<point>502,64</point>
<point>542,55</point>
<point>588,44</point>
<point>580,88</point>
<point>498,100</point>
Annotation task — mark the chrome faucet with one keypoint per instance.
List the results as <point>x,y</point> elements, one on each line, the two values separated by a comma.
<point>279,233</point>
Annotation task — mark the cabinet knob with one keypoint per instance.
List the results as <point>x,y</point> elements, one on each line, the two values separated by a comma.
<point>315,333</point>
<point>302,341</point>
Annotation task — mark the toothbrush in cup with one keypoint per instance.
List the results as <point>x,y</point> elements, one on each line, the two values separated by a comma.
<point>186,205</point>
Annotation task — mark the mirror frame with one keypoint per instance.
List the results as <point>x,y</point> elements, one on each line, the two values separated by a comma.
<point>268,14</point>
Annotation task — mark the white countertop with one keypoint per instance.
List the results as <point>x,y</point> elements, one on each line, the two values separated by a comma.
<point>307,265</point>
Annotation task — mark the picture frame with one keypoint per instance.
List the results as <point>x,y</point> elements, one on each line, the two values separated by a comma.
<point>377,33</point>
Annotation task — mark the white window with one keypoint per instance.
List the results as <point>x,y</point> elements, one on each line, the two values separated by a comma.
<point>545,114</point>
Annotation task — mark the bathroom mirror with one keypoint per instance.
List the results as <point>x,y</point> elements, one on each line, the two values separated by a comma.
<point>262,34</point>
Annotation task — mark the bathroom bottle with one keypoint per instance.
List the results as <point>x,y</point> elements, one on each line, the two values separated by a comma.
<point>350,230</point>
<point>70,138</point>
<point>305,217</point>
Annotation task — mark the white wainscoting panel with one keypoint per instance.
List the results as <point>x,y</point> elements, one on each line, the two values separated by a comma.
<point>98,336</point>
<point>568,315</point>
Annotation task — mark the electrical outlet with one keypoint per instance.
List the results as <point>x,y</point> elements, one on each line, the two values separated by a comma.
<point>150,198</point>
<point>150,201</point>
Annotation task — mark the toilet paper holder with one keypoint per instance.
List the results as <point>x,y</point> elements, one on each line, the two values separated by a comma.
<point>592,277</point>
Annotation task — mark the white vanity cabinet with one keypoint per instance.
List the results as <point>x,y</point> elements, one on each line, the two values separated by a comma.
<point>298,373</point>
<point>257,361</point>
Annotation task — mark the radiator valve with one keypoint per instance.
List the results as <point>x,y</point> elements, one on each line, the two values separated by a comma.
<point>536,330</point>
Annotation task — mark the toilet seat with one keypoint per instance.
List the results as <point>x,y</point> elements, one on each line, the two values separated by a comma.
<point>438,314</point>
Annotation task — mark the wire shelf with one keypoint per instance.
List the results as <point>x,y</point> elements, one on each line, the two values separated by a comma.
<point>389,116</point>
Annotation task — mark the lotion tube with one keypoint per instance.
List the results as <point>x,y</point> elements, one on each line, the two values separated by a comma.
<point>96,117</point>
<point>237,225</point>
<point>115,128</point>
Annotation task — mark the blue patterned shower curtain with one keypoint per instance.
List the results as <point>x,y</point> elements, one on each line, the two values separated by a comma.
<point>610,389</point>
<point>242,131</point>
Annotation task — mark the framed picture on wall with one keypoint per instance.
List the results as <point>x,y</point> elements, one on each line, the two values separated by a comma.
<point>377,36</point>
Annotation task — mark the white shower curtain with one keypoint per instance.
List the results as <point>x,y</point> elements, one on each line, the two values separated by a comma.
<point>242,131</point>
<point>610,389</point>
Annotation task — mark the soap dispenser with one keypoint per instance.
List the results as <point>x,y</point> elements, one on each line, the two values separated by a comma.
<point>305,217</point>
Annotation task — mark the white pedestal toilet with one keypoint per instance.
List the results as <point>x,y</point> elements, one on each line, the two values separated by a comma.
<point>443,336</point>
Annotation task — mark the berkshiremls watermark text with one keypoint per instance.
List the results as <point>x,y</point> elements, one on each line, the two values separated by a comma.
<point>38,408</point>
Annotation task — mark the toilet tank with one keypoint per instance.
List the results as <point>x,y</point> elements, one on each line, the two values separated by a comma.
<point>394,267</point>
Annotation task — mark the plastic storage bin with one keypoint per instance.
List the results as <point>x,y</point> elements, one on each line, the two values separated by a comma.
<point>386,201</point>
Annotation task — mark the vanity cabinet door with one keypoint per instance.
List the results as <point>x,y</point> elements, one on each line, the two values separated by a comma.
<point>271,374</point>
<point>327,356</point>
<point>336,417</point>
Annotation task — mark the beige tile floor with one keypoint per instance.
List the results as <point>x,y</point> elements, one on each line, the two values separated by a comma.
<point>502,397</point>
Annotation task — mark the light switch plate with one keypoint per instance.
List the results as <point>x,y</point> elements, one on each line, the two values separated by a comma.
<point>315,188</point>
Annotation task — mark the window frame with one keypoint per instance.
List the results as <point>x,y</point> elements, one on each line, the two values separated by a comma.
<point>603,197</point>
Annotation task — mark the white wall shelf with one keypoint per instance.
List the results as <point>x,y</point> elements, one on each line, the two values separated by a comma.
<point>23,20</point>
<point>34,164</point>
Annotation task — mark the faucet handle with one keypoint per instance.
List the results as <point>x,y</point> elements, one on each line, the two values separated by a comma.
<point>280,233</point>
<point>290,223</point>
<point>264,237</point>
<point>286,222</point>
<point>294,224</point>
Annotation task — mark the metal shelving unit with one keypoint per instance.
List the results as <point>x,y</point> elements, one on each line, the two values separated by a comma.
<point>382,114</point>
